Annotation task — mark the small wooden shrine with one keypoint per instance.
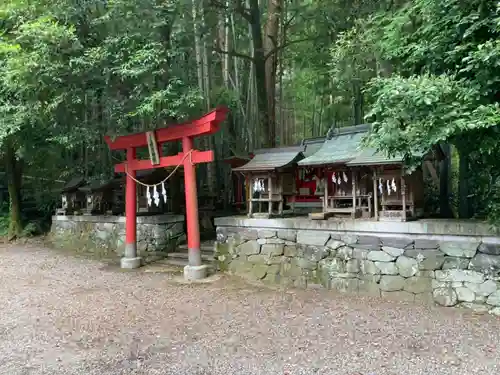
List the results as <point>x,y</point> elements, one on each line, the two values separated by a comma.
<point>361,182</point>
<point>270,177</point>
<point>106,197</point>
<point>239,193</point>
<point>73,200</point>
<point>399,196</point>
<point>347,191</point>
<point>101,197</point>
<point>309,180</point>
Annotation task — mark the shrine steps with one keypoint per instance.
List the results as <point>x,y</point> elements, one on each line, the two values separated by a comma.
<point>206,249</point>
<point>179,258</point>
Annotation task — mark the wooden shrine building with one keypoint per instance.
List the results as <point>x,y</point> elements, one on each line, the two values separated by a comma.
<point>72,198</point>
<point>362,182</point>
<point>239,195</point>
<point>345,191</point>
<point>308,182</point>
<point>270,177</point>
<point>398,196</point>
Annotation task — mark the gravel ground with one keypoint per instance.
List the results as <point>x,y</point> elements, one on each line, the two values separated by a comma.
<point>67,315</point>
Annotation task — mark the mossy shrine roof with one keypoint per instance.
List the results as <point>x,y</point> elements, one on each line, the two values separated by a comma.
<point>342,147</point>
<point>312,145</point>
<point>345,147</point>
<point>270,159</point>
<point>370,156</point>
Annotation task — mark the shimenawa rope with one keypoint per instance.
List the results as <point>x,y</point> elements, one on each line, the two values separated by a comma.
<point>166,178</point>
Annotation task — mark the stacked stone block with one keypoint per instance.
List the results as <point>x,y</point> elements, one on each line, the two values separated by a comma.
<point>106,235</point>
<point>457,272</point>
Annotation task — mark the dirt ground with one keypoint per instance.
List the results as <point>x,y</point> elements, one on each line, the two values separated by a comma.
<point>63,314</point>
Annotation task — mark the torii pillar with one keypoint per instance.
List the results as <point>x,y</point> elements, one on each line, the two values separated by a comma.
<point>188,158</point>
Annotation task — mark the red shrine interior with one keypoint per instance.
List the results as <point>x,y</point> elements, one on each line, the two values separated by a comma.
<point>306,182</point>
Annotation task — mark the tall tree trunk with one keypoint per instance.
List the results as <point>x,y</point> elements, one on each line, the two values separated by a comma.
<point>357,103</point>
<point>224,45</point>
<point>463,184</point>
<point>444,182</point>
<point>172,148</point>
<point>271,35</point>
<point>320,116</point>
<point>13,167</point>
<point>211,167</point>
<point>281,61</point>
<point>197,44</point>
<point>175,183</point>
<point>259,60</point>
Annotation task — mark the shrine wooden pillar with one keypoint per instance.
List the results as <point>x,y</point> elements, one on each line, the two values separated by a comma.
<point>403,195</point>
<point>375,193</point>
<point>192,219</point>
<point>353,214</point>
<point>130,259</point>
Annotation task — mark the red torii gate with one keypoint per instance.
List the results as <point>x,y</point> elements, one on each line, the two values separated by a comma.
<point>205,125</point>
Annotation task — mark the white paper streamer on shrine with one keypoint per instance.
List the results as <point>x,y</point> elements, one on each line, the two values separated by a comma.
<point>156,196</point>
<point>153,195</point>
<point>388,187</point>
<point>258,186</point>
<point>345,178</point>
<point>334,178</point>
<point>380,186</point>
<point>164,192</point>
<point>148,197</point>
<point>394,187</point>
<point>155,187</point>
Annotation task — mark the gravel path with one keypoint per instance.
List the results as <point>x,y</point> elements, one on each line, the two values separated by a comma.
<point>65,315</point>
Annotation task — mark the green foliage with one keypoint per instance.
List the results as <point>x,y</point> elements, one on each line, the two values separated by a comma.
<point>436,81</point>
<point>72,71</point>
<point>411,115</point>
<point>353,61</point>
<point>59,64</point>
<point>4,223</point>
<point>425,72</point>
<point>31,228</point>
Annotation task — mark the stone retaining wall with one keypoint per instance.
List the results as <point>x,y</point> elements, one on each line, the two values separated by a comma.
<point>106,234</point>
<point>438,267</point>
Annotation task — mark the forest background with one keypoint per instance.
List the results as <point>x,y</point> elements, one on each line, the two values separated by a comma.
<point>423,72</point>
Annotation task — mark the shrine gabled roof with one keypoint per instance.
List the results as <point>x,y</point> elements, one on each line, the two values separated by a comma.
<point>237,161</point>
<point>102,185</point>
<point>370,156</point>
<point>73,184</point>
<point>272,158</point>
<point>344,146</point>
<point>312,145</point>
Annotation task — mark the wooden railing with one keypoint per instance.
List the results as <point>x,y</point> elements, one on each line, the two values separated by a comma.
<point>361,202</point>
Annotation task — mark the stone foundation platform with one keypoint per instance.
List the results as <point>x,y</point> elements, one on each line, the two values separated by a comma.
<point>450,263</point>
<point>105,235</point>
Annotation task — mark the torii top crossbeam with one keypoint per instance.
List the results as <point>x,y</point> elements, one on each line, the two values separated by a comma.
<point>205,125</point>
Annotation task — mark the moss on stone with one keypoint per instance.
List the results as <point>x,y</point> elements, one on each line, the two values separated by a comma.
<point>221,249</point>
<point>259,271</point>
<point>240,266</point>
<point>222,256</point>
